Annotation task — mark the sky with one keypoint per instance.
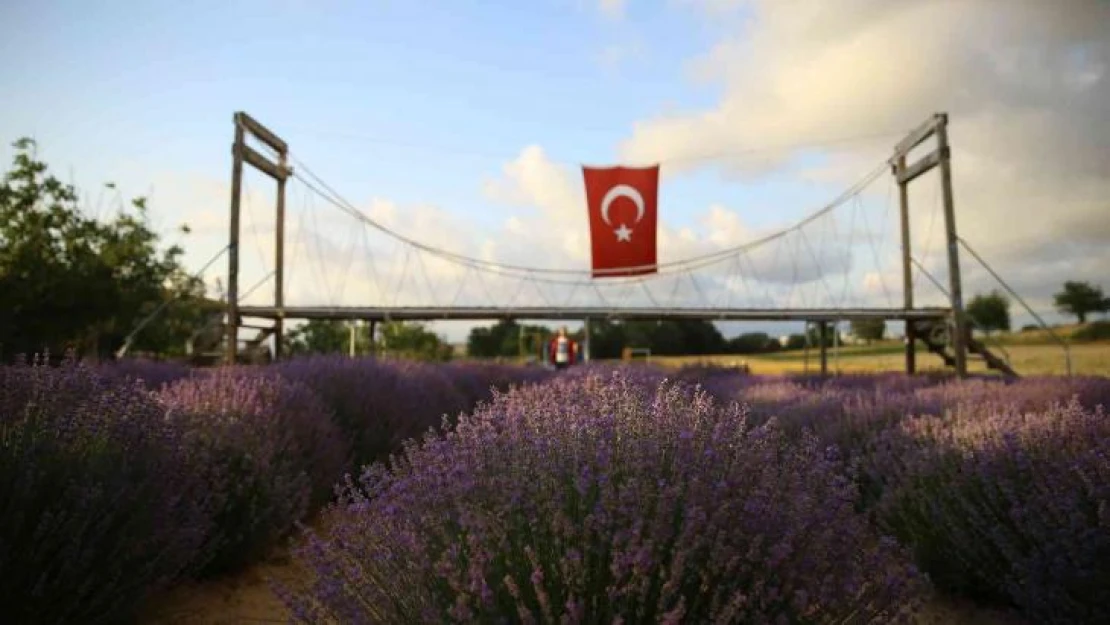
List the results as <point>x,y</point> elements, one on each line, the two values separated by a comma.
<point>464,125</point>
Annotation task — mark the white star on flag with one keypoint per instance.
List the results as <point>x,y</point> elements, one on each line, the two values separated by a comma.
<point>624,233</point>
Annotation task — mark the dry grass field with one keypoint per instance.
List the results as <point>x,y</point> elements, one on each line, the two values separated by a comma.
<point>1026,359</point>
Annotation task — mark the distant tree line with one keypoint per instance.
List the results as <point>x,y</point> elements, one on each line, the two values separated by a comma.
<point>608,338</point>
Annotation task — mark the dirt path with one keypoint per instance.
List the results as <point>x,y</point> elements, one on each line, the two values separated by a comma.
<point>246,598</point>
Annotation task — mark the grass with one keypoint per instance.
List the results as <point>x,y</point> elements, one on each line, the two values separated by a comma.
<point>1025,358</point>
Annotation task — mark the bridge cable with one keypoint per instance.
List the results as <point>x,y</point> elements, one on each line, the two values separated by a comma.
<point>709,258</point>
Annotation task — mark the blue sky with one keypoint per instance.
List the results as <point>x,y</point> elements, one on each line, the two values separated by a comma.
<point>411,102</point>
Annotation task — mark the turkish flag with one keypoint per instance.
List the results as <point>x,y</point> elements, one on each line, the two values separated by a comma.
<point>622,203</point>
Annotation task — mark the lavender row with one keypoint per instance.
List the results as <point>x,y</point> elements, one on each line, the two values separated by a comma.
<point>119,481</point>
<point>607,499</point>
<point>593,499</point>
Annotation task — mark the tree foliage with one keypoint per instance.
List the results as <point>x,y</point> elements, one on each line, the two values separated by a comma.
<point>1081,299</point>
<point>71,281</point>
<point>506,339</point>
<point>869,329</point>
<point>753,343</point>
<point>325,336</point>
<point>990,312</point>
<point>413,340</point>
<point>397,338</point>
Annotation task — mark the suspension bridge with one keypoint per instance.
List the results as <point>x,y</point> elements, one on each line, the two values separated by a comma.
<point>824,269</point>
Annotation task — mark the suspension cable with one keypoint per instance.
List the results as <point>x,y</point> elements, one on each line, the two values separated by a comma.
<point>688,264</point>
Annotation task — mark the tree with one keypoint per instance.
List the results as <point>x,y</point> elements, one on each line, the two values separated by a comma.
<point>324,336</point>
<point>69,281</point>
<point>796,341</point>
<point>413,340</point>
<point>1081,299</point>
<point>869,329</point>
<point>752,343</point>
<point>990,312</point>
<point>500,340</point>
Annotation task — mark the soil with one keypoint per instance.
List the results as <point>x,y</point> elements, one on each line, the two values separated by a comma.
<point>247,598</point>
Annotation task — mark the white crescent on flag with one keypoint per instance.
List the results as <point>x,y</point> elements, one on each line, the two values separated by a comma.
<point>622,190</point>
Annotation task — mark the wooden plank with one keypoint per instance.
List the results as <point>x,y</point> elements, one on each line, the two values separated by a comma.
<point>252,157</point>
<point>264,134</point>
<point>920,134</point>
<point>928,162</point>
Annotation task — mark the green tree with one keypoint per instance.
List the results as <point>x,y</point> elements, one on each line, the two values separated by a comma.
<point>69,281</point>
<point>500,340</point>
<point>796,341</point>
<point>990,312</point>
<point>868,329</point>
<point>413,340</point>
<point>505,339</point>
<point>752,343</point>
<point>1081,299</point>
<point>324,336</point>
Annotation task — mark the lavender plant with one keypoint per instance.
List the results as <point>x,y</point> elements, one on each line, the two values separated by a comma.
<point>267,450</point>
<point>154,373</point>
<point>1006,506</point>
<point>604,500</point>
<point>100,508</point>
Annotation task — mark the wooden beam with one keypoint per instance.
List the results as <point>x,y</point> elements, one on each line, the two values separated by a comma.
<point>920,134</point>
<point>263,133</point>
<point>233,249</point>
<point>929,161</point>
<point>907,266</point>
<point>955,288</point>
<point>822,334</point>
<point>252,157</point>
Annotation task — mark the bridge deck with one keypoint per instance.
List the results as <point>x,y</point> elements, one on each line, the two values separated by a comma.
<point>538,313</point>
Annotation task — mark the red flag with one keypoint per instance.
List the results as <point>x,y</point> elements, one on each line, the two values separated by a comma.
<point>622,203</point>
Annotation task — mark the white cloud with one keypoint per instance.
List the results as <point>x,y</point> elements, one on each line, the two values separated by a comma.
<point>1025,83</point>
<point>613,9</point>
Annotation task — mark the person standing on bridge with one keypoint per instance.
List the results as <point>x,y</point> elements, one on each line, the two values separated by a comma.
<point>562,350</point>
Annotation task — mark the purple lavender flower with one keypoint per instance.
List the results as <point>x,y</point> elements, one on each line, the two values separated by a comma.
<point>100,507</point>
<point>595,499</point>
<point>267,449</point>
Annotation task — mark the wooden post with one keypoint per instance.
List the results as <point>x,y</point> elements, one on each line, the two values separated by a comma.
<point>232,352</point>
<point>959,322</point>
<point>907,266</point>
<point>373,327</point>
<point>279,264</point>
<point>805,356</point>
<point>243,153</point>
<point>353,329</point>
<point>586,340</point>
<point>822,334</point>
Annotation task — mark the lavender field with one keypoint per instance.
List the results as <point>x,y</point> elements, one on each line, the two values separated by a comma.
<point>465,493</point>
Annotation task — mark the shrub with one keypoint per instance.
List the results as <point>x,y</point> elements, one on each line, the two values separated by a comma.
<point>1006,506</point>
<point>1094,331</point>
<point>267,450</point>
<point>154,373</point>
<point>377,404</point>
<point>591,500</point>
<point>99,507</point>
